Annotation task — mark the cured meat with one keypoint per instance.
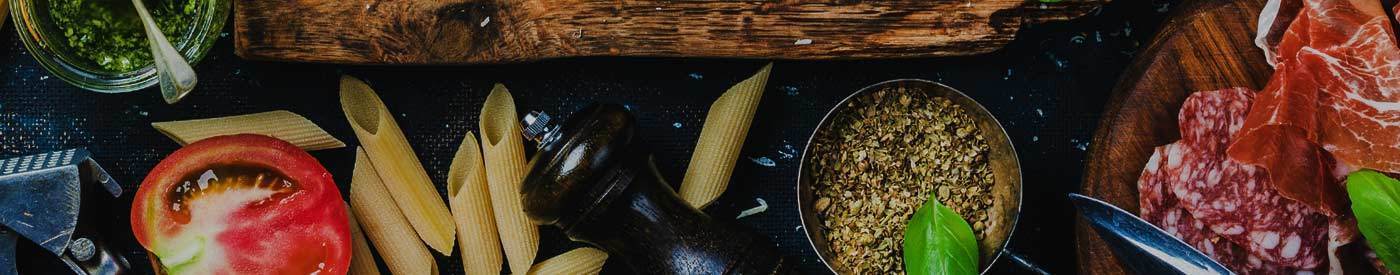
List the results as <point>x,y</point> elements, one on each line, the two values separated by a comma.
<point>1273,20</point>
<point>1160,207</point>
<point>1277,18</point>
<point>1154,199</point>
<point>1298,169</point>
<point>1230,210</point>
<point>1335,93</point>
<point>1345,242</point>
<point>1236,200</point>
<point>1208,119</point>
<point>1243,208</point>
<point>1340,232</point>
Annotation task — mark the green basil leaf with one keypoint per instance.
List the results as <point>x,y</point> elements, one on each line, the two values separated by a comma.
<point>938,241</point>
<point>1375,200</point>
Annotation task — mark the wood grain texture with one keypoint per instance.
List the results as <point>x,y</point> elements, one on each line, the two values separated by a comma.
<point>497,31</point>
<point>1203,45</point>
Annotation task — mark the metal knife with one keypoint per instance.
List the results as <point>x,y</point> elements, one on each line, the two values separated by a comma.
<point>1139,245</point>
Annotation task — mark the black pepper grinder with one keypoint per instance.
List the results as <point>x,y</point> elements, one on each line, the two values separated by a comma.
<point>593,179</point>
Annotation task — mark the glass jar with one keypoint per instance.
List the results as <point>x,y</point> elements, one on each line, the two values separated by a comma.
<point>46,42</point>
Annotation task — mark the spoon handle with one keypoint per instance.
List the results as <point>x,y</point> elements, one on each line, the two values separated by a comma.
<point>176,77</point>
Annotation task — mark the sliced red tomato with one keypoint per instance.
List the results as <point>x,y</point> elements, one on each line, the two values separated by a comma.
<point>242,204</point>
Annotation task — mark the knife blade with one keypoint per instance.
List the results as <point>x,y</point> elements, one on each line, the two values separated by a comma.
<point>1139,245</point>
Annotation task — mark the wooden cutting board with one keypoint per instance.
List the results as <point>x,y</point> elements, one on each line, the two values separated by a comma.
<point>1203,45</point>
<point>496,31</point>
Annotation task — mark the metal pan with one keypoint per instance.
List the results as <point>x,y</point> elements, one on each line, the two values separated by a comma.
<point>1006,171</point>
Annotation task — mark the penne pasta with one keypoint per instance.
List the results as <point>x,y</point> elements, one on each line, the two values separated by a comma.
<point>585,260</point>
<point>394,160</point>
<point>726,126</point>
<point>361,259</point>
<point>504,152</point>
<point>470,201</point>
<point>283,125</point>
<point>384,224</point>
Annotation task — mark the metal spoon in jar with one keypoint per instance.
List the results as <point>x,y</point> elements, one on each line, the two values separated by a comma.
<point>175,75</point>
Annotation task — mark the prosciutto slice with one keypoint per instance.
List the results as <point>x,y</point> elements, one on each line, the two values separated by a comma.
<point>1233,201</point>
<point>1333,103</point>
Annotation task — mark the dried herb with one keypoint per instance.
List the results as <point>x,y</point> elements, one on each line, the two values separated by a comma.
<point>881,159</point>
<point>938,241</point>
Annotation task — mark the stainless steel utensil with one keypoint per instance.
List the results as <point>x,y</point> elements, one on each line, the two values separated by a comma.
<point>176,77</point>
<point>1140,246</point>
<point>1006,171</point>
<point>42,200</point>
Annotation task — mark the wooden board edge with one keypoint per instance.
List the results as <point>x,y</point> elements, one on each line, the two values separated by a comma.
<point>545,35</point>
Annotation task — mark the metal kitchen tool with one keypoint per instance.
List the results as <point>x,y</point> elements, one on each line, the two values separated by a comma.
<point>175,76</point>
<point>42,200</point>
<point>1139,245</point>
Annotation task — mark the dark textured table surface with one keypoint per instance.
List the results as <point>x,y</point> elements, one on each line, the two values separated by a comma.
<point>1048,88</point>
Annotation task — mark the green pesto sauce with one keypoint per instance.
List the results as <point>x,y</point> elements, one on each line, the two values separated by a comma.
<point>109,34</point>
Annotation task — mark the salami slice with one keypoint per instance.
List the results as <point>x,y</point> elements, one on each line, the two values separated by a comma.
<point>1242,206</point>
<point>1154,201</point>
<point>1234,201</point>
<point>1237,200</point>
<point>1208,119</point>
<point>1159,206</point>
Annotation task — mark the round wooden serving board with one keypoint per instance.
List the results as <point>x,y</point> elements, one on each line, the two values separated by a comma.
<point>1203,45</point>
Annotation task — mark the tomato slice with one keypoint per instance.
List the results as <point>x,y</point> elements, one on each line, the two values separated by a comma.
<point>242,204</point>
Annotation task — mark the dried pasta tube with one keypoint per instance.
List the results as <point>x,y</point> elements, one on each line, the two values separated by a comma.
<point>504,152</point>
<point>283,125</point>
<point>726,126</point>
<point>362,260</point>
<point>386,227</point>
<point>394,160</point>
<point>471,208</point>
<point>578,261</point>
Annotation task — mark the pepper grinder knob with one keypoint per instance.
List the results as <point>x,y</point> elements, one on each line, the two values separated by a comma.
<point>539,128</point>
